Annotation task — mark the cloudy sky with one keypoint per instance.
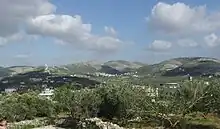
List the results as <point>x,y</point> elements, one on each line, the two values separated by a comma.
<point>36,32</point>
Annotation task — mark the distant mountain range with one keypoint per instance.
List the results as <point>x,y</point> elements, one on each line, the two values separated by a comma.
<point>4,71</point>
<point>194,66</point>
<point>111,67</point>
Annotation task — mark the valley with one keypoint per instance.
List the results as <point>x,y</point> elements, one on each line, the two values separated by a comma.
<point>115,94</point>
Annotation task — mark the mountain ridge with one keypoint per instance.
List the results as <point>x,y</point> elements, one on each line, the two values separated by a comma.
<point>165,68</point>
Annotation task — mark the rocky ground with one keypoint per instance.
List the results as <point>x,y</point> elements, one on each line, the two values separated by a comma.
<point>41,121</point>
<point>49,127</point>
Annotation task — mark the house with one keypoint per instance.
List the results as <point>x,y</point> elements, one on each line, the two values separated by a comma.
<point>10,90</point>
<point>47,93</point>
<point>190,78</point>
<point>151,91</point>
<point>206,83</point>
<point>5,81</point>
<point>170,85</point>
<point>169,88</point>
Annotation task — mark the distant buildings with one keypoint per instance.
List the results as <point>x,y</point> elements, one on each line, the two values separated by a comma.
<point>47,93</point>
<point>190,78</point>
<point>206,83</point>
<point>99,74</point>
<point>151,91</point>
<point>170,85</point>
<point>41,79</point>
<point>169,88</point>
<point>5,82</point>
<point>105,74</point>
<point>10,90</point>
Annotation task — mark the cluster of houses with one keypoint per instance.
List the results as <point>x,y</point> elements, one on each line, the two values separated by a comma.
<point>45,79</point>
<point>99,74</point>
<point>41,80</point>
<point>47,93</point>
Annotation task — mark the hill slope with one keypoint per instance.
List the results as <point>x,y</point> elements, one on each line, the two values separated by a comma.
<point>21,69</point>
<point>121,64</point>
<point>4,72</point>
<point>194,66</point>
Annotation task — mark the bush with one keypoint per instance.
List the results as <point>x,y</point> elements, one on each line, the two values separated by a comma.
<point>27,106</point>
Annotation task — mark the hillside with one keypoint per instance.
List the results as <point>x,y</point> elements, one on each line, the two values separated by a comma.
<point>197,67</point>
<point>80,68</point>
<point>174,67</point>
<point>4,72</point>
<point>159,68</point>
<point>121,64</point>
<point>110,67</point>
<point>21,69</point>
<point>39,79</point>
<point>194,66</point>
<point>109,70</point>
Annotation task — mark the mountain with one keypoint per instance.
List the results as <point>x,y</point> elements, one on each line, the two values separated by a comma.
<point>80,68</point>
<point>194,66</point>
<point>110,67</point>
<point>40,79</point>
<point>157,69</point>
<point>4,72</point>
<point>145,70</point>
<point>116,66</point>
<point>174,67</point>
<point>121,64</point>
<point>21,69</point>
<point>109,70</point>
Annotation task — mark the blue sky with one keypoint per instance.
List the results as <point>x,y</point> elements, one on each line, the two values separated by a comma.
<point>60,32</point>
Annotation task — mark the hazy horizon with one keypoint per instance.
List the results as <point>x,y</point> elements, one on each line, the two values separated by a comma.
<point>98,62</point>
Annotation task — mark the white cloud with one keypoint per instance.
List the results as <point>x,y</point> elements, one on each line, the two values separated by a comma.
<point>160,45</point>
<point>182,19</point>
<point>71,29</point>
<point>14,14</point>
<point>186,27</point>
<point>212,40</point>
<point>187,43</point>
<point>110,30</point>
<point>38,18</point>
<point>11,38</point>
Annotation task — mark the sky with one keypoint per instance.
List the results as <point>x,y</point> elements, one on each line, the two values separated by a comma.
<point>56,32</point>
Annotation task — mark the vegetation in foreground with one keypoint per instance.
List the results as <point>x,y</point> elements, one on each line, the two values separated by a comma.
<point>193,105</point>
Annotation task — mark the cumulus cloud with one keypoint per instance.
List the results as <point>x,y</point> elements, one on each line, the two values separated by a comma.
<point>191,30</point>
<point>160,45</point>
<point>110,30</point>
<point>212,40</point>
<point>38,18</point>
<point>71,29</point>
<point>11,38</point>
<point>179,18</point>
<point>14,14</point>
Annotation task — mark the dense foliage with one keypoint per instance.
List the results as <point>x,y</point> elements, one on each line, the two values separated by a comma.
<point>120,101</point>
<point>16,107</point>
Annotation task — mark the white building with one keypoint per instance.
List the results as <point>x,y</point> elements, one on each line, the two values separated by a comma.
<point>10,90</point>
<point>172,85</point>
<point>151,91</point>
<point>47,93</point>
